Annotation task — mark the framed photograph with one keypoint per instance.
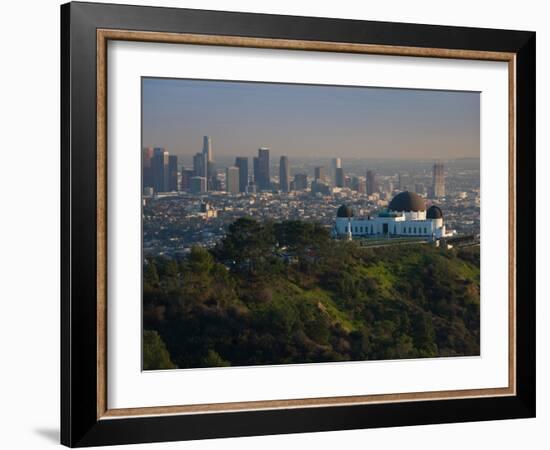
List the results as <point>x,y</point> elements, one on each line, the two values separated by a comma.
<point>277,224</point>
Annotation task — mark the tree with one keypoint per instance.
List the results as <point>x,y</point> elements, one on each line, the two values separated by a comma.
<point>247,243</point>
<point>155,354</point>
<point>424,334</point>
<point>213,359</point>
<point>197,280</point>
<point>200,260</point>
<point>150,274</point>
<point>298,235</point>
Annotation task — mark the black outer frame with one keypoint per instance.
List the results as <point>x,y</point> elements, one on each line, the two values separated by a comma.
<point>79,423</point>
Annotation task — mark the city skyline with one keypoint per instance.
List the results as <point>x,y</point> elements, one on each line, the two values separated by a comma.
<point>160,174</point>
<point>320,121</point>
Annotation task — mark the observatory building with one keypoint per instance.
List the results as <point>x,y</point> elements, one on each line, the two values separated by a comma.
<point>406,216</point>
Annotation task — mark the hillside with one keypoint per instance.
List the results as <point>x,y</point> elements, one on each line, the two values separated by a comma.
<point>284,293</point>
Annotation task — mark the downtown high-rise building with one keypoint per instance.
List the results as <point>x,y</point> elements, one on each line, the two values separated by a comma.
<point>284,174</point>
<point>354,183</point>
<point>320,174</point>
<point>372,185</point>
<point>200,165</point>
<point>263,178</point>
<point>256,169</point>
<point>207,148</point>
<point>362,186</point>
<point>186,175</point>
<point>320,187</point>
<point>438,183</point>
<point>335,164</point>
<point>242,163</point>
<point>198,185</point>
<point>160,170</point>
<point>232,180</point>
<point>300,182</point>
<point>209,164</point>
<point>339,177</point>
<point>147,166</point>
<point>212,176</point>
<point>172,173</point>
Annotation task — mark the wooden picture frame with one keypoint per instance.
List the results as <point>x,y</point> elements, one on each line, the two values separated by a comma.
<point>86,418</point>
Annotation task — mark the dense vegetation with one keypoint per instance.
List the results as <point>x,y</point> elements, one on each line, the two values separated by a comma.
<point>280,293</point>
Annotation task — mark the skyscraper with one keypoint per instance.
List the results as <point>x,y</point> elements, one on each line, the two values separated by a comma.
<point>264,179</point>
<point>172,173</point>
<point>147,164</point>
<point>372,186</point>
<point>284,174</point>
<point>207,148</point>
<point>339,177</point>
<point>319,187</point>
<point>216,182</point>
<point>242,163</point>
<point>186,175</point>
<point>438,187</point>
<point>160,170</point>
<point>232,180</point>
<point>198,185</point>
<point>209,165</point>
<point>355,183</point>
<point>336,164</point>
<point>320,174</point>
<point>300,181</point>
<point>212,181</point>
<point>200,165</point>
<point>256,167</point>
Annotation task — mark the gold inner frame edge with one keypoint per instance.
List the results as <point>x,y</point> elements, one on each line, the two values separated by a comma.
<point>104,35</point>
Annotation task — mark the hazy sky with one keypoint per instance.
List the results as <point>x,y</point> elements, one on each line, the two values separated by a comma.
<point>305,120</point>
